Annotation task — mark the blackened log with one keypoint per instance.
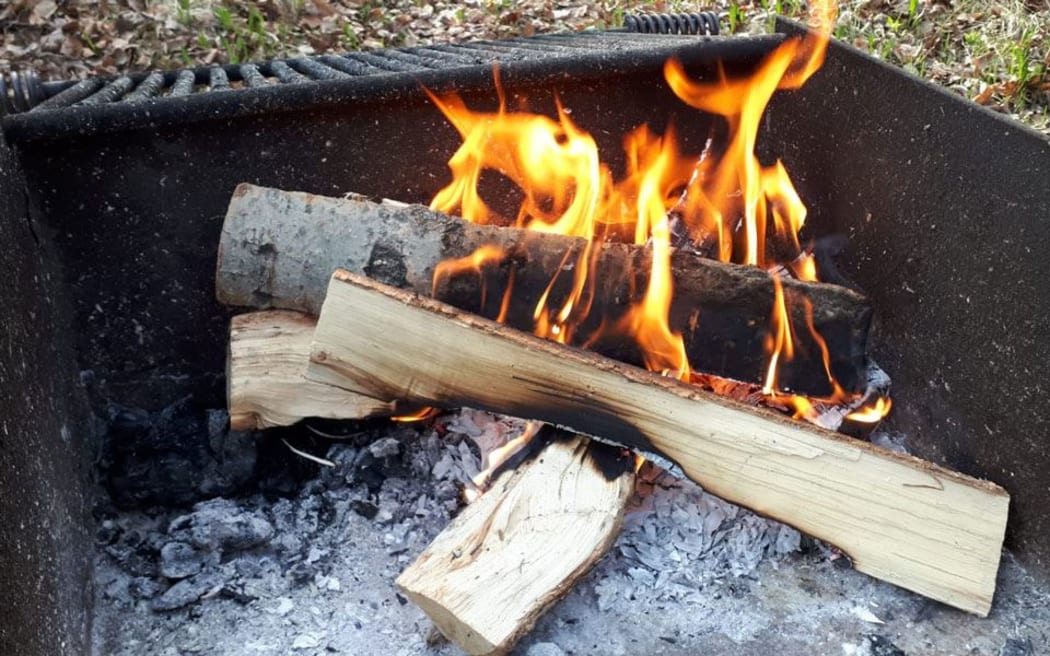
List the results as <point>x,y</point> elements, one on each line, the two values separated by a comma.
<point>278,250</point>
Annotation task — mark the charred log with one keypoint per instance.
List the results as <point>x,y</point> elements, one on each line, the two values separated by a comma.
<point>279,248</point>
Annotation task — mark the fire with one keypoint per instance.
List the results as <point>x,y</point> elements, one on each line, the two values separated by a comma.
<point>751,209</point>
<point>873,413</point>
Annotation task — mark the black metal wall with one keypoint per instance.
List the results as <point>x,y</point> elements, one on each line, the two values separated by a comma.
<point>947,210</point>
<point>946,207</point>
<point>135,200</point>
<point>45,543</point>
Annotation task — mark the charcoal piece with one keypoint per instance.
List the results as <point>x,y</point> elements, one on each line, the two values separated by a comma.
<point>366,509</point>
<point>386,447</point>
<point>544,649</point>
<point>179,560</point>
<point>186,592</point>
<point>142,587</point>
<point>160,458</point>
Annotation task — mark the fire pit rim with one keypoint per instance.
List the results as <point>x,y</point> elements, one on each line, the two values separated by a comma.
<point>81,121</point>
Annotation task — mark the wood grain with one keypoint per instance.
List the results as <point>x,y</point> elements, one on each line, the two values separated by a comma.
<point>510,555</point>
<point>900,519</point>
<point>265,386</point>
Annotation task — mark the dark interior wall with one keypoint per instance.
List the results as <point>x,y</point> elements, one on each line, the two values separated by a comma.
<point>947,210</point>
<point>45,544</point>
<point>137,214</point>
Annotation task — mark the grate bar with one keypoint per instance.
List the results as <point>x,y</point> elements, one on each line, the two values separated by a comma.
<point>416,60</point>
<point>184,83</point>
<point>623,40</point>
<point>522,50</point>
<point>148,88</point>
<point>286,73</point>
<point>252,77</point>
<point>350,66</point>
<point>316,70</point>
<point>71,96</point>
<point>112,92</point>
<point>384,63</point>
<point>217,79</point>
<point>450,53</point>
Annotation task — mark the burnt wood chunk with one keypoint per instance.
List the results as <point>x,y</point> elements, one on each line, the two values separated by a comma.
<point>279,248</point>
<point>900,519</point>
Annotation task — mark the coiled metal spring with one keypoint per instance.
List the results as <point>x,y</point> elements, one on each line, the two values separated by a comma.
<point>704,22</point>
<point>19,92</point>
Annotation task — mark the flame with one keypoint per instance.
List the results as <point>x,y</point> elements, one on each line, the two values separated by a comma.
<point>493,459</point>
<point>873,413</point>
<point>418,415</point>
<point>724,195</point>
<point>781,343</point>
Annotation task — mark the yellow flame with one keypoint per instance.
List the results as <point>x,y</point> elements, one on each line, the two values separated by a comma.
<point>419,415</point>
<point>752,210</point>
<point>873,413</point>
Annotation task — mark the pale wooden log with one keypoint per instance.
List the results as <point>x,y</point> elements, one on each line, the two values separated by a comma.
<point>513,553</point>
<point>900,519</point>
<point>278,249</point>
<point>265,387</point>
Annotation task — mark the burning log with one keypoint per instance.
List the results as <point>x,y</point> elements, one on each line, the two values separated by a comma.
<point>268,355</point>
<point>510,555</point>
<point>900,519</point>
<point>279,248</point>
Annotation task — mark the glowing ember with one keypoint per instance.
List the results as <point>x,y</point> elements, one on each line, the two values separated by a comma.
<point>751,209</point>
<point>419,415</point>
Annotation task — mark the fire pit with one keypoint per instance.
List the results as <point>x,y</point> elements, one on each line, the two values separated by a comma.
<point>117,203</point>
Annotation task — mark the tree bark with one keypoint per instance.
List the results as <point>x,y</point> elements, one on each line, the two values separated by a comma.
<point>279,248</point>
<point>513,553</point>
<point>909,522</point>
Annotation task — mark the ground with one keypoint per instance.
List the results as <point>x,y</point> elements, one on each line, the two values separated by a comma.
<point>995,52</point>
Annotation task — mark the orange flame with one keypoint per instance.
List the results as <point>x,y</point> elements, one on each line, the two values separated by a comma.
<point>781,343</point>
<point>873,413</point>
<point>752,210</point>
<point>419,415</point>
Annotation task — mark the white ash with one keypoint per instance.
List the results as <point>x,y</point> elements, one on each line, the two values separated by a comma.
<point>681,538</point>
<point>314,573</point>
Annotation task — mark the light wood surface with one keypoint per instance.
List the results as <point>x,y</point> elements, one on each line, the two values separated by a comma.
<point>900,519</point>
<point>267,358</point>
<point>510,555</point>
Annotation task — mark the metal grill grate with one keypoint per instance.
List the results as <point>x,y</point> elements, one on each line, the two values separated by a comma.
<point>143,87</point>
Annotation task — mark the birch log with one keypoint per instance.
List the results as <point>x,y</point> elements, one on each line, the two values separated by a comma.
<point>279,248</point>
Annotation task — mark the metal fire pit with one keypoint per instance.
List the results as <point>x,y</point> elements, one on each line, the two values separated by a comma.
<point>113,193</point>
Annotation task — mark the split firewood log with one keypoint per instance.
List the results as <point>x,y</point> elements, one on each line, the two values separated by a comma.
<point>279,248</point>
<point>514,552</point>
<point>265,387</point>
<point>910,522</point>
